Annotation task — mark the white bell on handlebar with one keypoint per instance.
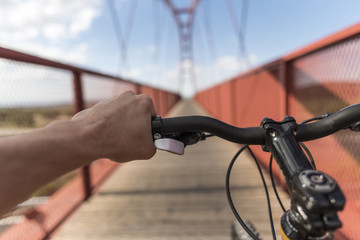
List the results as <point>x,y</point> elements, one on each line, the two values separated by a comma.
<point>170,145</point>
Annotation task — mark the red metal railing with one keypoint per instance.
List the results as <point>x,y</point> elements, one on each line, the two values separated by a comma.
<point>87,88</point>
<point>322,77</point>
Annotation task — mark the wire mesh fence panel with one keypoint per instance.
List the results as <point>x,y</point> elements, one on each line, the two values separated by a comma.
<point>326,81</point>
<point>97,88</point>
<point>32,96</point>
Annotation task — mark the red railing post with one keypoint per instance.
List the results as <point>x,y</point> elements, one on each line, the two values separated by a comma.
<point>79,106</point>
<point>157,101</point>
<point>137,88</point>
<point>285,82</point>
<point>234,105</point>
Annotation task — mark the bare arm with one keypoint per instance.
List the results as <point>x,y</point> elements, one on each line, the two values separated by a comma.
<point>119,129</point>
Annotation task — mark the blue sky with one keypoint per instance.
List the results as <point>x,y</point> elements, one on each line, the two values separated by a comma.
<point>81,32</point>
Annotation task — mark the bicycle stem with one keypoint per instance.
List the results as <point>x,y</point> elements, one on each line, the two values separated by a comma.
<point>316,198</point>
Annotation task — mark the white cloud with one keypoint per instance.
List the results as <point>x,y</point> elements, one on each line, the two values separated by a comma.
<point>48,28</point>
<point>82,21</point>
<point>227,63</point>
<point>221,69</point>
<point>134,73</point>
<point>233,64</point>
<point>73,17</point>
<point>54,31</point>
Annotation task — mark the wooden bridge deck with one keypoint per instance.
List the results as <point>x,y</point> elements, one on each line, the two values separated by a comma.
<point>175,197</point>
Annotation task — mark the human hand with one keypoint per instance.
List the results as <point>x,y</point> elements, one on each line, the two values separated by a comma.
<point>119,128</point>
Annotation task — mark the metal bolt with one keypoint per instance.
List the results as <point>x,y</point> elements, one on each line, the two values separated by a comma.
<point>272,133</point>
<point>319,179</point>
<point>295,131</point>
<point>157,136</point>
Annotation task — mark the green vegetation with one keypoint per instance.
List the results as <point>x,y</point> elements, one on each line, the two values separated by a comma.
<point>33,117</point>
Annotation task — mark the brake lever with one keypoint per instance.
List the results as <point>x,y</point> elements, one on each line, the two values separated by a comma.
<point>175,142</point>
<point>170,145</point>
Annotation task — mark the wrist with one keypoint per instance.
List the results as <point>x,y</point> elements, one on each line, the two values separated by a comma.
<point>75,140</point>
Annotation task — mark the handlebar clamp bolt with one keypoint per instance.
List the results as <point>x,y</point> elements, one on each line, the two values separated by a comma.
<point>157,136</point>
<point>272,133</point>
<point>295,131</point>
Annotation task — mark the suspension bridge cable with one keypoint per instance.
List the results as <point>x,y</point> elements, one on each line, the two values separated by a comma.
<point>208,28</point>
<point>128,30</point>
<point>156,30</point>
<point>168,45</point>
<point>239,28</point>
<point>121,39</point>
<point>159,29</point>
<point>117,28</point>
<point>244,16</point>
<point>130,20</point>
<point>169,57</point>
<point>159,23</point>
<point>202,53</point>
<point>211,40</point>
<point>199,52</point>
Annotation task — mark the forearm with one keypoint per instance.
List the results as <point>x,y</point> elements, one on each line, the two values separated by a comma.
<point>30,160</point>
<point>119,129</point>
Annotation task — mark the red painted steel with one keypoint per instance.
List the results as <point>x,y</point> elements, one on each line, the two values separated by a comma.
<point>23,57</point>
<point>333,39</point>
<point>79,106</point>
<point>323,76</point>
<point>177,11</point>
<point>42,221</point>
<point>329,80</point>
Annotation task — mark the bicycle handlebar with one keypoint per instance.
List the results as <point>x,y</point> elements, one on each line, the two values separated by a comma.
<point>318,200</point>
<point>256,135</point>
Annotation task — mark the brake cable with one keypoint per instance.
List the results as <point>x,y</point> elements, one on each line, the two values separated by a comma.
<point>231,203</point>
<point>232,206</point>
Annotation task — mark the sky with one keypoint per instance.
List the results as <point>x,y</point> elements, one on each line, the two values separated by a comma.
<point>81,32</point>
